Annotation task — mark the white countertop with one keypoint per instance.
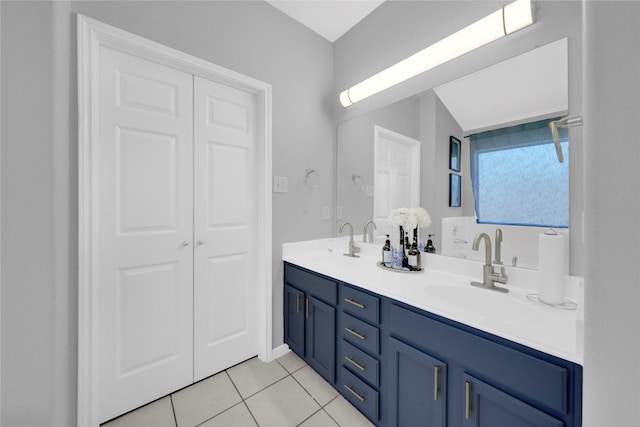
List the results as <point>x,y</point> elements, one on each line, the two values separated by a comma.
<point>443,288</point>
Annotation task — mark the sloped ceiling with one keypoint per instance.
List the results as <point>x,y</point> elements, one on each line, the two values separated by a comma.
<point>329,18</point>
<point>534,85</point>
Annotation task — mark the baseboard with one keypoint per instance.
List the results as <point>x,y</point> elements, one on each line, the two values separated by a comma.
<point>280,351</point>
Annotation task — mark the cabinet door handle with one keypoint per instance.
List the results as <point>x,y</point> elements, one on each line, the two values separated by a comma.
<point>355,333</point>
<point>467,400</point>
<point>355,393</point>
<point>356,303</point>
<point>356,364</point>
<point>308,309</point>
<point>436,381</point>
<point>298,303</point>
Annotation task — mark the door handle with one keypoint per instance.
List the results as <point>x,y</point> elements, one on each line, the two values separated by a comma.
<point>186,243</point>
<point>200,242</point>
<point>436,382</point>
<point>298,303</point>
<point>308,309</point>
<point>467,400</point>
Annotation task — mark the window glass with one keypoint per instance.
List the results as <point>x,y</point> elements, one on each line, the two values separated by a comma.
<point>517,178</point>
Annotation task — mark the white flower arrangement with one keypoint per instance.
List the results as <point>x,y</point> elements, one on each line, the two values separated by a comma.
<point>403,217</point>
<point>409,218</point>
<point>422,217</point>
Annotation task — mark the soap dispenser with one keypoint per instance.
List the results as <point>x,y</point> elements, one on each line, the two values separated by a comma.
<point>430,248</point>
<point>387,255</point>
<point>414,255</point>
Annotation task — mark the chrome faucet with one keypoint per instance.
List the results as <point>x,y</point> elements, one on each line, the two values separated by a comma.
<point>353,249</point>
<point>364,232</point>
<point>489,277</point>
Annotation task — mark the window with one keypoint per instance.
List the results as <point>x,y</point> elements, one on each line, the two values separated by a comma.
<point>517,178</point>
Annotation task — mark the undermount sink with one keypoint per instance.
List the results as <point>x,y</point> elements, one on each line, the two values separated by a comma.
<point>511,313</point>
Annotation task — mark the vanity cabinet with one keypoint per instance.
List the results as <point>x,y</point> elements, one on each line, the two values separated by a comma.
<point>418,387</point>
<point>484,380</point>
<point>405,367</point>
<point>310,319</point>
<point>359,348</point>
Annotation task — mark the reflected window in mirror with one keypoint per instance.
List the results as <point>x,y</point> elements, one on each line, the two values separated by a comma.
<point>517,178</point>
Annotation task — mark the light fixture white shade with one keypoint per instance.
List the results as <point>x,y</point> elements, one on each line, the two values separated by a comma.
<point>502,22</point>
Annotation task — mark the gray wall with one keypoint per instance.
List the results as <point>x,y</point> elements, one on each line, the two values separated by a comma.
<point>612,212</point>
<point>397,29</point>
<point>355,155</point>
<point>39,164</point>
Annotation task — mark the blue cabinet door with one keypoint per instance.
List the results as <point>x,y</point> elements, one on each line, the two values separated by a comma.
<point>321,338</point>
<point>294,310</point>
<point>486,406</point>
<point>417,396</point>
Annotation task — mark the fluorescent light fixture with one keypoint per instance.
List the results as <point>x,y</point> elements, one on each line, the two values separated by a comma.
<point>510,18</point>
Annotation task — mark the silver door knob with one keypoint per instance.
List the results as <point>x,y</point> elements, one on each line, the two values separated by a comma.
<point>200,242</point>
<point>185,243</point>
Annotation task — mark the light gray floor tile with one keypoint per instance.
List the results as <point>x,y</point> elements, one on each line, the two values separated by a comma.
<point>320,419</point>
<point>155,414</point>
<point>238,416</point>
<point>284,404</point>
<point>345,414</point>
<point>317,387</point>
<point>203,400</point>
<point>254,375</point>
<point>291,362</point>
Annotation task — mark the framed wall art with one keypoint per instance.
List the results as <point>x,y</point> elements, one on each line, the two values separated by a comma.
<point>454,153</point>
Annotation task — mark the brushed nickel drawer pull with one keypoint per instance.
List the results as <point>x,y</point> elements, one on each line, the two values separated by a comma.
<point>355,393</point>
<point>467,400</point>
<point>356,364</point>
<point>356,303</point>
<point>355,333</point>
<point>436,381</point>
<point>298,303</point>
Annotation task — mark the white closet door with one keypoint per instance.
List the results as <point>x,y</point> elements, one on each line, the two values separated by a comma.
<point>225,227</point>
<point>145,231</point>
<point>396,180</point>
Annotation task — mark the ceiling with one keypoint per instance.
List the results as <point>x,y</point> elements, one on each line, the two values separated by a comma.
<point>531,85</point>
<point>329,18</point>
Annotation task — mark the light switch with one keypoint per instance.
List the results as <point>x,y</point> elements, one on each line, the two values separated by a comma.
<point>339,212</point>
<point>326,213</point>
<point>280,184</point>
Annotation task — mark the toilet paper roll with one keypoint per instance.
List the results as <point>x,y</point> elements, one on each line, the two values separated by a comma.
<point>551,268</point>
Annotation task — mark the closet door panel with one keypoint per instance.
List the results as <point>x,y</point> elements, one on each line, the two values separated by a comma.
<point>145,199</point>
<point>225,194</point>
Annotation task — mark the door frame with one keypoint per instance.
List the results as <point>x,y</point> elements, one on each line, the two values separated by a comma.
<point>92,35</point>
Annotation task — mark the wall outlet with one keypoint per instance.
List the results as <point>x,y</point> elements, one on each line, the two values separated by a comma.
<point>326,213</point>
<point>280,184</point>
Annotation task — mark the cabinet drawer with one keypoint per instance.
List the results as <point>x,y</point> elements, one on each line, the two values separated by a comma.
<point>317,286</point>
<point>360,334</point>
<point>361,363</point>
<point>360,304</point>
<point>363,397</point>
<point>515,372</point>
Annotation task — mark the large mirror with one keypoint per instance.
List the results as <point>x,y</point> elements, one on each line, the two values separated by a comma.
<point>523,89</point>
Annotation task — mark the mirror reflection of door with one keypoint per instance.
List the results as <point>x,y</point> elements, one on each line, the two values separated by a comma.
<point>396,178</point>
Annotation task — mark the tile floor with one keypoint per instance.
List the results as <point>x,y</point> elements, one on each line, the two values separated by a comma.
<point>283,393</point>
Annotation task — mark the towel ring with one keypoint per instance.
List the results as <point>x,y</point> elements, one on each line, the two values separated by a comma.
<point>311,178</point>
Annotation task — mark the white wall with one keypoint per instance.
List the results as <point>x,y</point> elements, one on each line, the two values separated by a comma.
<point>612,213</point>
<point>39,164</point>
